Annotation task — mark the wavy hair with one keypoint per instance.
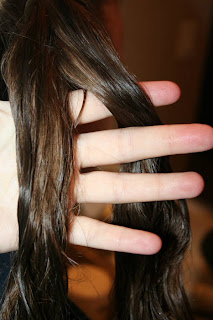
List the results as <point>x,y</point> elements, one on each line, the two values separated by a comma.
<point>52,48</point>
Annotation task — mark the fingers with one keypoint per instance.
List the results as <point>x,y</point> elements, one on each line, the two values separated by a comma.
<point>114,187</point>
<point>135,143</point>
<point>160,92</point>
<point>100,235</point>
<point>93,109</point>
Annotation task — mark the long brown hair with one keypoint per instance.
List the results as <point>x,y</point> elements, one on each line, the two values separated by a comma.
<point>52,48</point>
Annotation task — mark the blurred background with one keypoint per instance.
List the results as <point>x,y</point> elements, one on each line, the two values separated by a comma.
<point>173,40</point>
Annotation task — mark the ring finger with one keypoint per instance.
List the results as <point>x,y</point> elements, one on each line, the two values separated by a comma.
<point>114,187</point>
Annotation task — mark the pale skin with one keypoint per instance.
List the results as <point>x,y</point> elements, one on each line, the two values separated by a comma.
<point>94,150</point>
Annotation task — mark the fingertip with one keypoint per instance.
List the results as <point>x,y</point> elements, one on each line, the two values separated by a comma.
<point>161,92</point>
<point>207,135</point>
<point>194,185</point>
<point>200,183</point>
<point>148,244</point>
<point>169,93</point>
<point>158,244</point>
<point>155,244</point>
<point>175,91</point>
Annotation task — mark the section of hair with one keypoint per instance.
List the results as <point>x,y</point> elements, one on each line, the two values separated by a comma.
<point>54,47</point>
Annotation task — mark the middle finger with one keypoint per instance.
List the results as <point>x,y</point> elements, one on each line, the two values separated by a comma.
<point>130,144</point>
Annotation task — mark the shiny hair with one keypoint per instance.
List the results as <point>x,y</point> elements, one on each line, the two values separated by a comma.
<point>54,47</point>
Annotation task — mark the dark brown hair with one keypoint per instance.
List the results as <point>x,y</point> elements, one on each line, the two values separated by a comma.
<point>54,47</point>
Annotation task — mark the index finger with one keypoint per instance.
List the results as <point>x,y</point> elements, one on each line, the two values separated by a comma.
<point>160,92</point>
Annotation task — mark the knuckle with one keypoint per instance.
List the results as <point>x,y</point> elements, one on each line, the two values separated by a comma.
<point>79,150</point>
<point>119,239</point>
<point>159,185</point>
<point>115,189</point>
<point>79,188</point>
<point>171,140</point>
<point>84,151</point>
<point>91,234</point>
<point>122,188</point>
<point>120,143</point>
<point>119,188</point>
<point>125,142</point>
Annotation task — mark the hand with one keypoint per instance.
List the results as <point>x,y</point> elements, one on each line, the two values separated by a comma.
<point>130,144</point>
<point>171,139</point>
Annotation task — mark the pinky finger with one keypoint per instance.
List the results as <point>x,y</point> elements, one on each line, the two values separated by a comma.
<point>100,235</point>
